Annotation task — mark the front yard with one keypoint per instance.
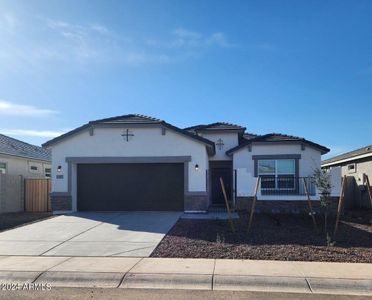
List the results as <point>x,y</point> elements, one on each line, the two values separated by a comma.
<point>272,237</point>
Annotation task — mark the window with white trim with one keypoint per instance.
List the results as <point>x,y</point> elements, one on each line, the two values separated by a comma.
<point>351,168</point>
<point>33,169</point>
<point>277,173</point>
<point>2,168</point>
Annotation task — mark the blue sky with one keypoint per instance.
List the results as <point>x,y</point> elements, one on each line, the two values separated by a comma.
<point>295,67</point>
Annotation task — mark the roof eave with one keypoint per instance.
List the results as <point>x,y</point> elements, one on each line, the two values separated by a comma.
<point>329,163</point>
<point>219,130</point>
<point>322,149</point>
<point>26,156</point>
<point>210,145</point>
<point>57,139</point>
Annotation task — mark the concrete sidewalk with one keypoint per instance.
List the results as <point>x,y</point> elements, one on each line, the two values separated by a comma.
<point>202,274</point>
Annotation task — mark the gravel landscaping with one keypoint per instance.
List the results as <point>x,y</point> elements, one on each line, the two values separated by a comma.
<point>12,220</point>
<point>272,237</point>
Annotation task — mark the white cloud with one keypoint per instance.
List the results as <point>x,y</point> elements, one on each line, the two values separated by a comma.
<point>76,30</point>
<point>56,43</point>
<point>33,133</point>
<point>138,58</point>
<point>219,39</point>
<point>13,109</point>
<point>8,21</point>
<point>191,39</point>
<point>186,34</point>
<point>101,29</point>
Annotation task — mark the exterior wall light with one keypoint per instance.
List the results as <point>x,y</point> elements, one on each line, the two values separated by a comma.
<point>59,169</point>
<point>196,167</point>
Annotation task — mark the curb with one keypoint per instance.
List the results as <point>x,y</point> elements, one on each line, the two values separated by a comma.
<point>340,286</point>
<point>260,283</point>
<point>167,281</point>
<point>18,277</point>
<point>251,283</point>
<point>81,279</point>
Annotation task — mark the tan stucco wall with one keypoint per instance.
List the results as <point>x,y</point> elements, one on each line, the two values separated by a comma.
<point>362,167</point>
<point>21,166</point>
<point>356,195</point>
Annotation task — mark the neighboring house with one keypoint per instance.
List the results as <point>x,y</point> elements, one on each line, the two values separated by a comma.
<point>20,158</point>
<point>354,165</point>
<point>134,162</point>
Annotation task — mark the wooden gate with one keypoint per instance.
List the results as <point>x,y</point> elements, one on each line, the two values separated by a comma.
<point>37,195</point>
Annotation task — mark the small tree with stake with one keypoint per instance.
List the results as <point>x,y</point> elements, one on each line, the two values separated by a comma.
<point>323,183</point>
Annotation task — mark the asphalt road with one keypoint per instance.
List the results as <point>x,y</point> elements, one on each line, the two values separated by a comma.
<point>105,294</point>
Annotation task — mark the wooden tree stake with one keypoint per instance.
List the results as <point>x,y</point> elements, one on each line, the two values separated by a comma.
<point>227,204</point>
<point>340,203</point>
<point>309,202</point>
<point>253,203</point>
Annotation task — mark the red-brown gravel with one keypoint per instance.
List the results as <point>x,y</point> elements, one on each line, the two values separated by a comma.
<point>273,237</point>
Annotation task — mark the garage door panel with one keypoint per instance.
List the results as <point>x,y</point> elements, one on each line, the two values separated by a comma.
<point>110,187</point>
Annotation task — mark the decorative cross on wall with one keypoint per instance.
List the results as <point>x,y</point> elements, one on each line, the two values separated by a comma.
<point>220,144</point>
<point>127,134</point>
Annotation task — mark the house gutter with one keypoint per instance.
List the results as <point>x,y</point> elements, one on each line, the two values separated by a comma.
<point>337,162</point>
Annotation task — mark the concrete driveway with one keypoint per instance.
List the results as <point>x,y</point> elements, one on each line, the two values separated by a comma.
<point>90,234</point>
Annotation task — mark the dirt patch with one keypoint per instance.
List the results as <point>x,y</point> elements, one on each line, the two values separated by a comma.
<point>12,220</point>
<point>273,237</point>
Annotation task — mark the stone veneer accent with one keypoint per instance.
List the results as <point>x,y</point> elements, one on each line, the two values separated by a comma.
<point>282,206</point>
<point>61,202</point>
<point>197,202</point>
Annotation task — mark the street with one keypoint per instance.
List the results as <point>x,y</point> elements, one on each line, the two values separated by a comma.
<point>148,294</point>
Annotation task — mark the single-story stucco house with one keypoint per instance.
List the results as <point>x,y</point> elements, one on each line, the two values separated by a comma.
<point>354,165</point>
<point>20,158</point>
<point>135,162</point>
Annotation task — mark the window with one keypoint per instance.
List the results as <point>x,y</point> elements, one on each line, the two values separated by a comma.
<point>277,174</point>
<point>351,168</point>
<point>48,172</point>
<point>33,169</point>
<point>2,168</point>
<point>267,172</point>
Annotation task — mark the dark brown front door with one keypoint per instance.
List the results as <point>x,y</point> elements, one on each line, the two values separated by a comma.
<point>220,170</point>
<point>120,187</point>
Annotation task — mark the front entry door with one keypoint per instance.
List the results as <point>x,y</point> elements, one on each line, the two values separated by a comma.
<point>226,174</point>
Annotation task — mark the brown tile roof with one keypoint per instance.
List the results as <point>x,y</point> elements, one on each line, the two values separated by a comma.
<point>276,138</point>
<point>215,126</point>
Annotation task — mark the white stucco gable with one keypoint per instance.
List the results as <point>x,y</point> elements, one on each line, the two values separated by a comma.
<point>223,141</point>
<point>146,142</point>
